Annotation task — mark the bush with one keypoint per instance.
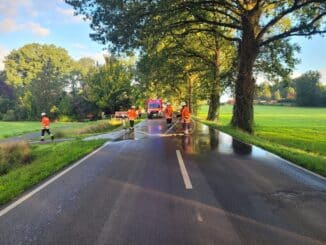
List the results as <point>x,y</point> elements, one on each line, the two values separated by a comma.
<point>14,154</point>
<point>64,118</point>
<point>9,116</point>
<point>100,127</point>
<point>60,134</point>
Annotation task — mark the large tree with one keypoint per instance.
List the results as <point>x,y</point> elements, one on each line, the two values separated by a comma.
<point>191,66</point>
<point>110,86</point>
<point>38,73</point>
<point>256,24</point>
<point>308,89</point>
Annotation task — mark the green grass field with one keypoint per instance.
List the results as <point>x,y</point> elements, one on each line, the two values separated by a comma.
<point>297,134</point>
<point>41,161</point>
<point>10,129</point>
<point>47,160</point>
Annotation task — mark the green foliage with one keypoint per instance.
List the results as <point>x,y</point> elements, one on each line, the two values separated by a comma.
<point>277,95</point>
<point>24,65</point>
<point>110,86</point>
<point>11,129</point>
<point>47,160</point>
<point>39,78</point>
<point>261,30</point>
<point>9,116</point>
<point>263,92</point>
<point>13,155</point>
<point>297,134</point>
<point>38,73</point>
<point>308,90</point>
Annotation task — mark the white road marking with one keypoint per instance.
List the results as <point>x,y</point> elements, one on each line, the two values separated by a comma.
<point>183,170</point>
<point>30,194</point>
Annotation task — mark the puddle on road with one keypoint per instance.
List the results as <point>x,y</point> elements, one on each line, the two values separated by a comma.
<point>204,139</point>
<point>144,130</point>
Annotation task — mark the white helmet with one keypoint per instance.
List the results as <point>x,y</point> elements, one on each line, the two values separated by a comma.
<point>183,103</point>
<point>168,103</point>
<point>43,114</point>
<point>133,107</point>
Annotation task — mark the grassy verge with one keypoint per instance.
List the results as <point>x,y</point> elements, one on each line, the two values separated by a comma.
<point>13,155</point>
<point>310,161</point>
<point>296,134</point>
<point>11,129</point>
<point>47,160</point>
<point>85,130</point>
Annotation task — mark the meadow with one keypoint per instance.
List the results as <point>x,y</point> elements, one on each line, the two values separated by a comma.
<point>11,129</point>
<point>297,134</point>
<point>23,165</point>
<point>46,160</point>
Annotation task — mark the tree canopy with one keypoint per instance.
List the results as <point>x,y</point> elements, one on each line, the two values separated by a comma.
<point>256,27</point>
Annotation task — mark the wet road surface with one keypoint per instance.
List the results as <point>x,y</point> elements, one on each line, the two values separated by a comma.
<point>136,191</point>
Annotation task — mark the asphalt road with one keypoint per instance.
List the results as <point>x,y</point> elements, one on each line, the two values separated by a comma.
<point>149,187</point>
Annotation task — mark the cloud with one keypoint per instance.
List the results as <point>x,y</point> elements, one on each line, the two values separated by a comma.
<point>3,53</point>
<point>69,15</point>
<point>323,75</point>
<point>38,29</point>
<point>10,8</point>
<point>78,46</point>
<point>296,74</point>
<point>98,57</point>
<point>18,15</point>
<point>10,25</point>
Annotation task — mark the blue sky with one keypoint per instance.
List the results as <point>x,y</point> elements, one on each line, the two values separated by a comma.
<point>53,21</point>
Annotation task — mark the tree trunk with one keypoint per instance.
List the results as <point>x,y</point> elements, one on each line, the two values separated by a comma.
<point>243,112</point>
<point>214,105</point>
<point>190,92</point>
<point>214,97</point>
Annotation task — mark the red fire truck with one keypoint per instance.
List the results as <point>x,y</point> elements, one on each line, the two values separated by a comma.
<point>154,108</point>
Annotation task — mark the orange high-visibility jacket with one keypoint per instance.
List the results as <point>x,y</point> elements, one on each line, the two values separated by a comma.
<point>132,115</point>
<point>185,114</point>
<point>168,112</point>
<point>45,122</point>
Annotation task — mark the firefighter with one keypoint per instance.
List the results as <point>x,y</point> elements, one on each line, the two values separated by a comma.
<point>185,117</point>
<point>45,126</point>
<point>168,114</point>
<point>132,115</point>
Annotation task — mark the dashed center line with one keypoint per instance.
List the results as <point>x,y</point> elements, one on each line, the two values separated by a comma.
<point>183,170</point>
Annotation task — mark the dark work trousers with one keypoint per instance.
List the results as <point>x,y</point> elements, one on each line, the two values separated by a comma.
<point>46,130</point>
<point>132,122</point>
<point>186,125</point>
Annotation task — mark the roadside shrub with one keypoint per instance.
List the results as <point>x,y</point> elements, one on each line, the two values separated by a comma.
<point>100,127</point>
<point>9,116</point>
<point>14,154</point>
<point>60,134</point>
<point>65,118</point>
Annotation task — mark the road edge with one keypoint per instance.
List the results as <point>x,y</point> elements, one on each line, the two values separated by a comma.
<point>271,153</point>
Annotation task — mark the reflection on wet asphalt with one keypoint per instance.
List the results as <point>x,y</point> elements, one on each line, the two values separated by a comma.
<point>132,192</point>
<point>204,140</point>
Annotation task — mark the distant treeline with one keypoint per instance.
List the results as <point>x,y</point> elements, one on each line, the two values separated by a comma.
<point>44,78</point>
<point>305,90</point>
